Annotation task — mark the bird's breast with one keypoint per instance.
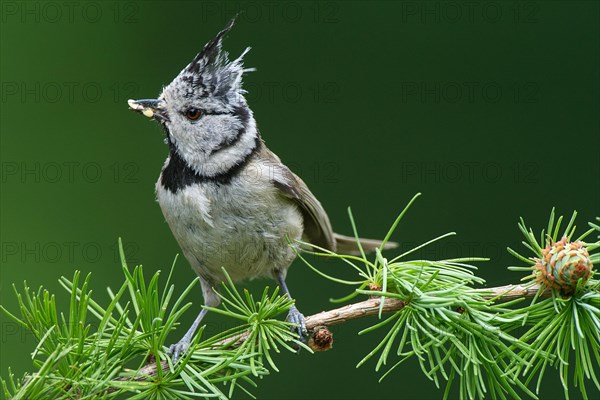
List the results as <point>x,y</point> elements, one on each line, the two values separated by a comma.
<point>244,226</point>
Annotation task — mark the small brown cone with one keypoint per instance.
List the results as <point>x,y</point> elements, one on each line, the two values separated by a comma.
<point>563,264</point>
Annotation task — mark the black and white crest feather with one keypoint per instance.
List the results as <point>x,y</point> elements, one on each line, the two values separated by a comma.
<point>212,74</point>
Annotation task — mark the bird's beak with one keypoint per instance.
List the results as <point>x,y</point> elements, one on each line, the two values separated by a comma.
<point>149,107</point>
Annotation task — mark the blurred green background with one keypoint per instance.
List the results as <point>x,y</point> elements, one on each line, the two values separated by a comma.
<point>490,109</point>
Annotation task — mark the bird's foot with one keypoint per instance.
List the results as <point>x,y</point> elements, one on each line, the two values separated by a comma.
<point>296,317</point>
<point>178,349</point>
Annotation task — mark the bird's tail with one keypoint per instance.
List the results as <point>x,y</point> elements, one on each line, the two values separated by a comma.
<point>347,244</point>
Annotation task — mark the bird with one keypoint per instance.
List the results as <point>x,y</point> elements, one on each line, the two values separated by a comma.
<point>229,201</point>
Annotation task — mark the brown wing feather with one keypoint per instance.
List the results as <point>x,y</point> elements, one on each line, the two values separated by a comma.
<point>317,228</point>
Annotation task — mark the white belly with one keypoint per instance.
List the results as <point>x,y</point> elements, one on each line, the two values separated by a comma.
<point>244,228</point>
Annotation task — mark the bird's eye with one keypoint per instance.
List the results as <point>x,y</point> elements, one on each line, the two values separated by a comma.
<point>192,114</point>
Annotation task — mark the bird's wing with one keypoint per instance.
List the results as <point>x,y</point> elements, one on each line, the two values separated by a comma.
<point>317,228</point>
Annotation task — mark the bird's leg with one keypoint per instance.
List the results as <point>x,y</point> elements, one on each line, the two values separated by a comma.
<point>294,316</point>
<point>211,299</point>
<point>178,349</point>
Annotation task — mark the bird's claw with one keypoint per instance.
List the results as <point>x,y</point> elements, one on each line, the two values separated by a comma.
<point>178,349</point>
<point>296,317</point>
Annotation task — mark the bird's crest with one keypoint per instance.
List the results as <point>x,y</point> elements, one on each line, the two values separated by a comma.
<point>211,74</point>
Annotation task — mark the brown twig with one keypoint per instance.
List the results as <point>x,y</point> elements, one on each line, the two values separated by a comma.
<point>361,309</point>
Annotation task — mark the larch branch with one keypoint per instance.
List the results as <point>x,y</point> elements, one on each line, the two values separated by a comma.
<point>317,324</point>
